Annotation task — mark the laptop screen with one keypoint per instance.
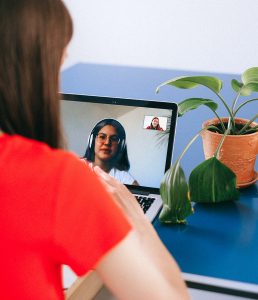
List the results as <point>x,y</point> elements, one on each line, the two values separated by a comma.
<point>149,128</point>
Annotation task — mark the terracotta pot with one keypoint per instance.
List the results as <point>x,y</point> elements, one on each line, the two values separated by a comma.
<point>238,152</point>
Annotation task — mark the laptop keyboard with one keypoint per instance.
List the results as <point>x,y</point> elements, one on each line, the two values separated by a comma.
<point>145,202</point>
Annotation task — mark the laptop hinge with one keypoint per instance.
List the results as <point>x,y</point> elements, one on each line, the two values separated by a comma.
<point>136,191</point>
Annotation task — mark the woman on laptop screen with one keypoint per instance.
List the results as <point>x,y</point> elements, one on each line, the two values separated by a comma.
<point>54,209</point>
<point>107,149</point>
<point>154,125</point>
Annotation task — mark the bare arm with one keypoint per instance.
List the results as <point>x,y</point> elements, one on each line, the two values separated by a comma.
<point>139,267</point>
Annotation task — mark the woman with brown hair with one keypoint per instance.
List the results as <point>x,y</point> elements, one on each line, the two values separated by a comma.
<point>51,213</point>
<point>154,125</point>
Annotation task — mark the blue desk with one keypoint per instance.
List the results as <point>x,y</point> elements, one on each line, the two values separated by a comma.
<point>218,248</point>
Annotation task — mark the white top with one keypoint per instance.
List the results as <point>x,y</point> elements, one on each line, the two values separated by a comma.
<point>122,176</point>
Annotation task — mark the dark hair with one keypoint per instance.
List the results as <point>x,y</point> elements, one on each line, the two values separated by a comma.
<point>121,161</point>
<point>157,127</point>
<point>33,35</point>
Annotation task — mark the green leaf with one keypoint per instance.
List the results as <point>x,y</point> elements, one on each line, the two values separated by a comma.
<point>250,75</point>
<point>244,90</point>
<point>212,181</point>
<point>250,82</point>
<point>174,194</point>
<point>193,103</point>
<point>236,85</point>
<point>188,82</point>
<point>249,88</point>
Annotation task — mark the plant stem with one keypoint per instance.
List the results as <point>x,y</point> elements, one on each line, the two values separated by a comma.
<point>225,104</point>
<point>247,124</point>
<point>221,143</point>
<point>222,124</point>
<point>231,117</point>
<point>244,103</point>
<point>252,129</point>
<point>230,125</point>
<point>235,101</point>
<point>232,110</point>
<point>190,143</point>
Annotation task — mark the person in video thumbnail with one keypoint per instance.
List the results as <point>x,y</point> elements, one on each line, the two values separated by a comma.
<point>107,149</point>
<point>155,124</point>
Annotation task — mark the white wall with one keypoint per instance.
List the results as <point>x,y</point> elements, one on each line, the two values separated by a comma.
<point>199,35</point>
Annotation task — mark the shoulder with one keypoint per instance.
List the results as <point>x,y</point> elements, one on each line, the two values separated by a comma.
<point>34,154</point>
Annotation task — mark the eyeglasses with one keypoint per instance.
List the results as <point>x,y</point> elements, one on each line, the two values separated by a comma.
<point>102,138</point>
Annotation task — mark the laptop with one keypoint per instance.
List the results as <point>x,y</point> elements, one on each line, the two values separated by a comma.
<point>149,150</point>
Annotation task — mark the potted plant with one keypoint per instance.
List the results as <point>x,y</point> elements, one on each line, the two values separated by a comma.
<point>224,140</point>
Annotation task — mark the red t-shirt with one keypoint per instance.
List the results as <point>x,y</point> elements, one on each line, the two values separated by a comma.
<point>54,211</point>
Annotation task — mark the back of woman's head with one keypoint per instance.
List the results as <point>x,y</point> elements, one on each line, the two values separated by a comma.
<point>33,34</point>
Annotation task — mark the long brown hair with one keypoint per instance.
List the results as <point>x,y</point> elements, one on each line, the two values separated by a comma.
<point>33,36</point>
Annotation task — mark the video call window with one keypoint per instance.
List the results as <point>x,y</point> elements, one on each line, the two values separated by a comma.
<point>147,150</point>
<point>155,123</point>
